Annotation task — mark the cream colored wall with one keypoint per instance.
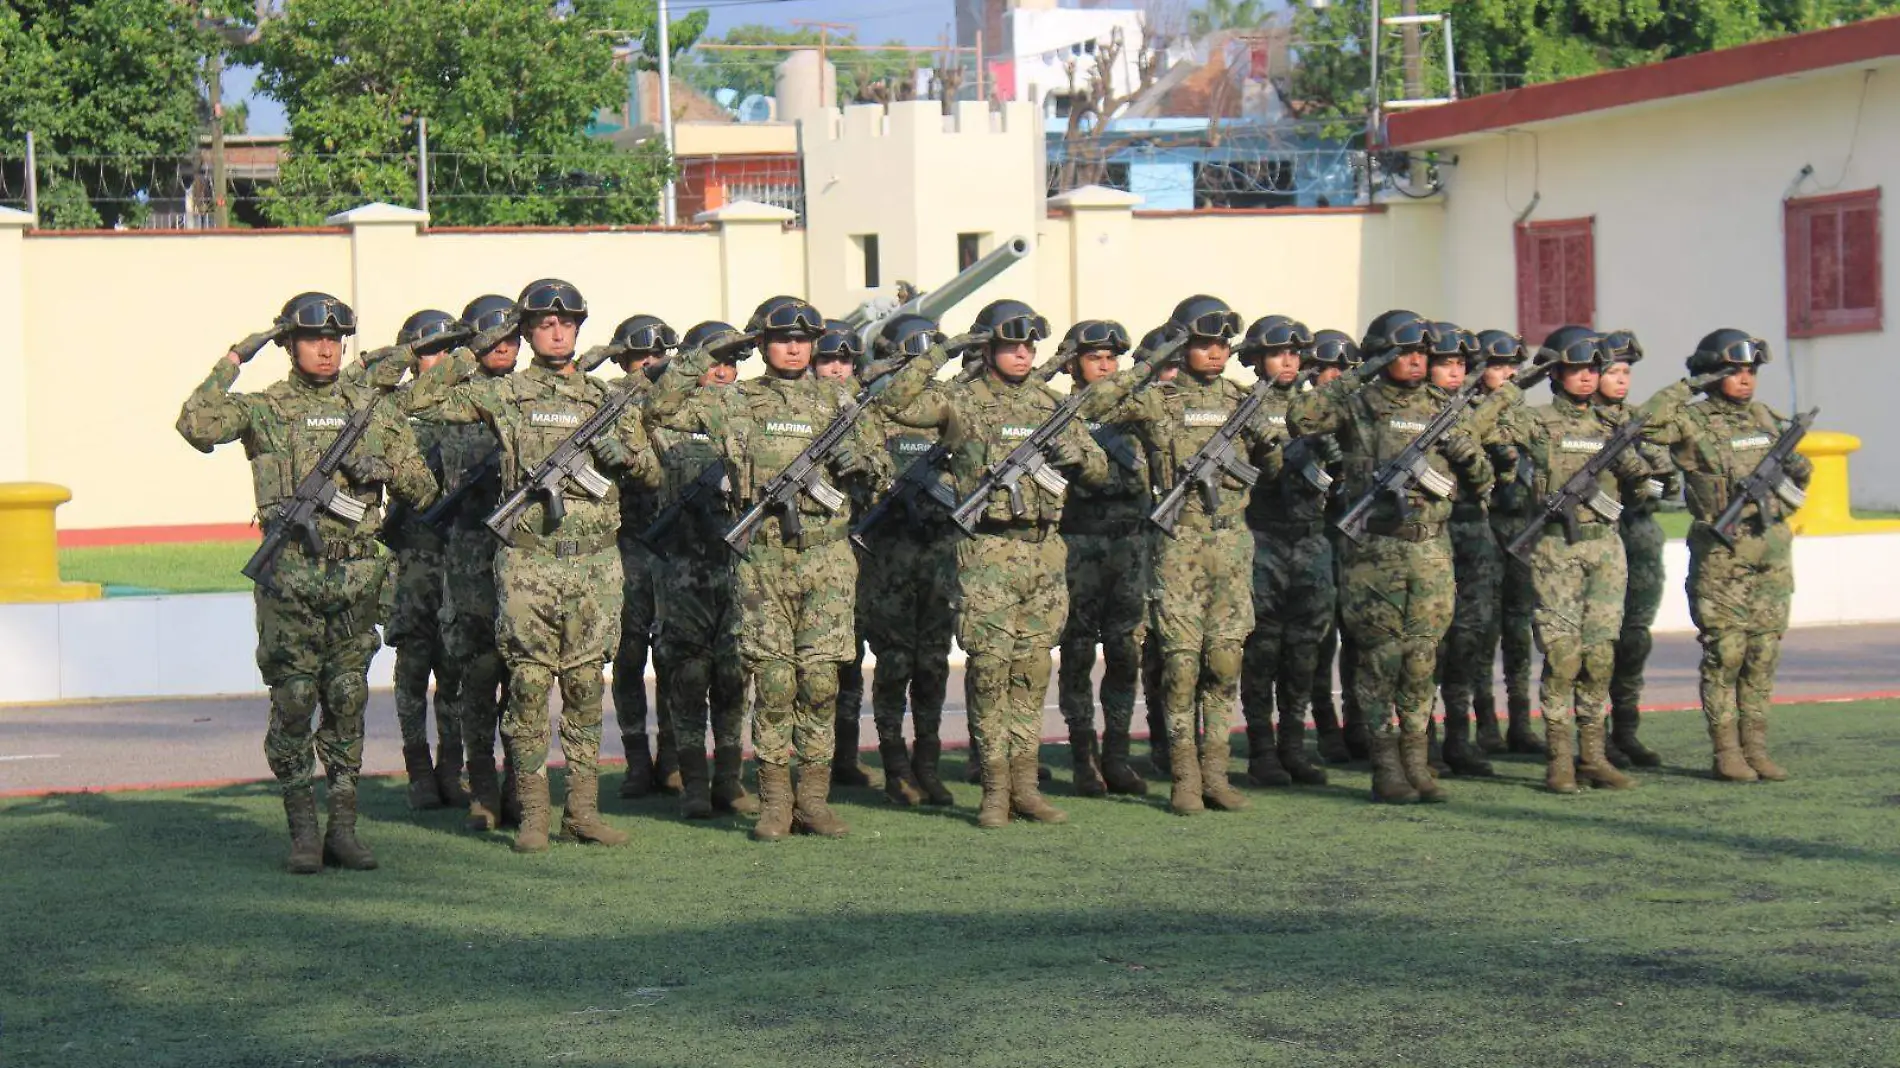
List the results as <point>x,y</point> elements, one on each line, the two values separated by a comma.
<point>1687,197</point>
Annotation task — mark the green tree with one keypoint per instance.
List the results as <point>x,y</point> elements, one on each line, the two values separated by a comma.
<point>110,91</point>
<point>752,72</point>
<point>1227,15</point>
<point>508,88</point>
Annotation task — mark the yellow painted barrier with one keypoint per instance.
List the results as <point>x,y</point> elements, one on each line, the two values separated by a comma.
<point>1826,510</point>
<point>29,546</point>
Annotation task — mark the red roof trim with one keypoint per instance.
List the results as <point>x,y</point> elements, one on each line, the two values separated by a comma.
<point>1722,69</point>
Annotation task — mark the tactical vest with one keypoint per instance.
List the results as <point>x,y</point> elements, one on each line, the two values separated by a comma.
<point>1385,419</point>
<point>997,418</point>
<point>1730,441</point>
<point>1195,412</point>
<point>1570,436</point>
<point>546,409</point>
<point>1290,498</point>
<point>305,422</point>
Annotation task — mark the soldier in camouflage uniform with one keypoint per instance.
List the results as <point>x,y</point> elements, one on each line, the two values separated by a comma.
<point>471,479</point>
<point>1739,593</point>
<point>1643,546</point>
<point>797,590</point>
<point>1294,597</point>
<point>1509,594</point>
<point>696,594</point>
<point>1343,736</point>
<point>316,628</point>
<point>907,581</point>
<point>1012,589</point>
<point>638,343</point>
<point>415,629</point>
<point>558,584</point>
<point>1580,585</point>
<point>1397,585</point>
<point>836,357</point>
<point>1105,531</point>
<point>1201,590</point>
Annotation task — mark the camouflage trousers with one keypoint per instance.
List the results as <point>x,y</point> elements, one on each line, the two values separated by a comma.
<point>905,599</point>
<point>1469,650</point>
<point>1013,599</point>
<point>1643,550</point>
<point>796,626</point>
<point>1579,613</point>
<point>1202,596</point>
<point>559,617</point>
<point>314,646</point>
<point>415,630</point>
<point>1108,601</point>
<point>1739,600</point>
<point>636,639</point>
<point>1336,647</point>
<point>696,649</point>
<point>1518,606</point>
<point>1397,600</point>
<point>467,623</point>
<point>1294,598</point>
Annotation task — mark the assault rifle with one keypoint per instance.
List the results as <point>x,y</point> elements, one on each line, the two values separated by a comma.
<point>569,460</point>
<point>447,507</point>
<point>1579,489</point>
<point>317,492</point>
<point>1029,458</point>
<point>1409,468</point>
<point>1218,456</point>
<point>1769,479</point>
<point>918,483</point>
<point>710,480</point>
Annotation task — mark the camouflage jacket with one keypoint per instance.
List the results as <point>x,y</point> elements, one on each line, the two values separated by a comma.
<point>684,455</point>
<point>1642,496</point>
<point>1374,423</point>
<point>639,492</point>
<point>1717,443</point>
<point>1290,488</point>
<point>1560,438</point>
<point>287,427</point>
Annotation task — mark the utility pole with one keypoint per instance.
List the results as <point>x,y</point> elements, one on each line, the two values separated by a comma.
<point>214,88</point>
<point>669,196</point>
<point>1414,59</point>
<point>824,48</point>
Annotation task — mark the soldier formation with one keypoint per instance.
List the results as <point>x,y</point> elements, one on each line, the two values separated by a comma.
<point>1396,500</point>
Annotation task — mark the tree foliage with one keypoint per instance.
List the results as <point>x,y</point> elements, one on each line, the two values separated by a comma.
<point>508,88</point>
<point>109,89</point>
<point>1227,15</point>
<point>862,76</point>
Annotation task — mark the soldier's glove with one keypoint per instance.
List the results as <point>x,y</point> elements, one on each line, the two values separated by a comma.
<point>847,460</point>
<point>1536,374</point>
<point>1326,449</point>
<point>254,343</point>
<point>364,467</point>
<point>1065,451</point>
<point>1373,366</point>
<point>600,355</point>
<point>509,326</point>
<point>1461,450</point>
<point>964,342</point>
<point>1701,383</point>
<point>612,453</point>
<point>1169,353</point>
<point>1504,459</point>
<point>726,344</point>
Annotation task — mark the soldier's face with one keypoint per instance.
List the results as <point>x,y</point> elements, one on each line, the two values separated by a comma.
<point>318,356</point>
<point>428,360</point>
<point>1496,374</point>
<point>720,374</point>
<point>551,336</point>
<point>1327,374</point>
<point>1094,365</point>
<point>1448,373</point>
<point>1208,356</point>
<point>787,354</point>
<point>1281,365</point>
<point>501,359</point>
<point>1579,381</point>
<point>1408,368</point>
<point>1740,386</point>
<point>833,370</point>
<point>1013,359</point>
<point>1614,383</point>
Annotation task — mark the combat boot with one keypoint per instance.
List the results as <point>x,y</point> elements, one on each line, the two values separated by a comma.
<point>531,806</point>
<point>484,801</point>
<point>639,779</point>
<point>900,786</point>
<point>925,753</point>
<point>1623,724</point>
<point>1088,767</point>
<point>1434,755</point>
<point>423,791</point>
<point>1730,765</point>
<point>306,852</point>
<point>1216,792</point>
<point>1292,748</point>
<point>1160,757</point>
<point>973,767</point>
<point>448,775</point>
<point>1614,756</point>
<point>1117,774</point>
<point>728,783</point>
<point>695,787</point>
<point>1518,737</point>
<point>1263,760</point>
<point>1332,740</point>
<point>1389,784</point>
<point>510,794</point>
<point>580,815</point>
<point>1185,759</point>
<point>1464,758</point>
<point>775,809</point>
<point>1560,759</point>
<point>994,811</point>
<point>340,844</point>
<point>1415,763</point>
<point>1484,713</point>
<point>846,768</point>
<point>1025,798</point>
<point>812,813</point>
<point>1593,765</point>
<point>666,764</point>
<point>1754,733</point>
<point>1359,740</point>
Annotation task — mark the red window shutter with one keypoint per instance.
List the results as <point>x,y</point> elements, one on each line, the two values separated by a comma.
<point>1833,263</point>
<point>1556,276</point>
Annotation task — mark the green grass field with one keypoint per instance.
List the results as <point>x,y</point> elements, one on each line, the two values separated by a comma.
<point>1685,922</point>
<point>185,567</point>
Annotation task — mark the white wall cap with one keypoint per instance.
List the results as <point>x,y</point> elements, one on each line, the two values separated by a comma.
<point>1095,196</point>
<point>378,214</point>
<point>746,211</point>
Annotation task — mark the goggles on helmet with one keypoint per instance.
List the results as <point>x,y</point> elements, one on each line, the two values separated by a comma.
<point>1022,328</point>
<point>1335,350</point>
<point>1101,334</point>
<point>325,314</point>
<point>1413,334</point>
<point>1454,343</point>
<point>652,337</point>
<point>1621,347</point>
<point>1744,352</point>
<point>840,345</point>
<point>1216,324</point>
<point>1504,350</point>
<point>793,316</point>
<point>1286,336</point>
<point>1583,351</point>
<point>553,298</point>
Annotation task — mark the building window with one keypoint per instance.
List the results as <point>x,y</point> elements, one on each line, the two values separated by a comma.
<point>969,250</point>
<point>1556,276</point>
<point>866,246</point>
<point>1833,245</point>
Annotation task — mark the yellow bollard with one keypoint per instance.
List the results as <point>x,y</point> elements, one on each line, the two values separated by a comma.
<point>29,546</point>
<point>1826,511</point>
